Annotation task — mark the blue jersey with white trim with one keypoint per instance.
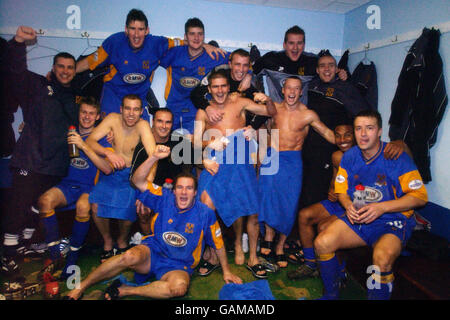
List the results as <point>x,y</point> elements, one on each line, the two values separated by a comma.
<point>383,179</point>
<point>180,235</point>
<point>184,73</point>
<point>131,70</point>
<point>82,170</point>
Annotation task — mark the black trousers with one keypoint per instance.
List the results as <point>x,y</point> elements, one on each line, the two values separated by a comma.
<point>25,191</point>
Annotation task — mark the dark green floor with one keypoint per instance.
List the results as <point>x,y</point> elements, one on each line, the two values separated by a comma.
<point>207,288</point>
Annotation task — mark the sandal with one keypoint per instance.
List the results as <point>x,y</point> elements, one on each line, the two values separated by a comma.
<point>208,266</point>
<point>257,268</point>
<point>281,260</point>
<point>113,290</point>
<point>107,254</point>
<point>294,254</point>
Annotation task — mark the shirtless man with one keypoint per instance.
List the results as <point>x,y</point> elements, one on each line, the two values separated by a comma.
<point>280,192</point>
<point>229,187</point>
<point>113,197</point>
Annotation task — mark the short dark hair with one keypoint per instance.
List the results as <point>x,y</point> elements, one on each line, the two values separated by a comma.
<point>369,113</point>
<point>293,77</point>
<point>131,96</point>
<point>221,73</point>
<point>165,109</point>
<point>64,55</point>
<point>239,52</point>
<point>294,30</point>
<point>324,53</point>
<point>186,175</point>
<point>91,101</point>
<point>136,15</point>
<point>193,23</point>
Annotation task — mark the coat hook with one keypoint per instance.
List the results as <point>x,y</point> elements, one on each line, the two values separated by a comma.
<point>394,40</point>
<point>40,31</point>
<point>85,34</point>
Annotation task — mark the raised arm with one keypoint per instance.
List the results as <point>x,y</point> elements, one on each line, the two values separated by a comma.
<point>320,127</point>
<point>82,65</point>
<point>140,176</point>
<point>261,105</point>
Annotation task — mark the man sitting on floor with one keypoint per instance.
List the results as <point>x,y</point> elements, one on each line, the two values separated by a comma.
<point>182,226</point>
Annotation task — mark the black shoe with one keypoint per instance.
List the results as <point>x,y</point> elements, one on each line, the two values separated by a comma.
<point>9,266</point>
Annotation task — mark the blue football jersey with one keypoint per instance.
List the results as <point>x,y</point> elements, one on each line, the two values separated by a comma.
<point>383,179</point>
<point>180,235</point>
<point>131,70</point>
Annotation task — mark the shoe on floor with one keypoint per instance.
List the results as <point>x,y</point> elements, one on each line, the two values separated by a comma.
<point>304,271</point>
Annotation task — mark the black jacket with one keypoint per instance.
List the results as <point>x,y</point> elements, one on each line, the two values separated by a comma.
<point>48,110</point>
<point>420,100</point>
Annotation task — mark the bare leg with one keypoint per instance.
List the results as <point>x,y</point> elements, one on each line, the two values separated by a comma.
<point>238,227</point>
<point>103,227</point>
<point>136,258</point>
<point>124,230</point>
<point>172,284</point>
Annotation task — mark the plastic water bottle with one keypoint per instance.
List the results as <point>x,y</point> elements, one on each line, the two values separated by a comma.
<point>359,197</point>
<point>168,184</point>
<point>245,242</point>
<point>73,149</point>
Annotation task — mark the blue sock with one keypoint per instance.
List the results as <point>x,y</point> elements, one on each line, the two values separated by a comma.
<point>310,257</point>
<point>381,287</point>
<point>79,233</point>
<point>52,234</point>
<point>329,272</point>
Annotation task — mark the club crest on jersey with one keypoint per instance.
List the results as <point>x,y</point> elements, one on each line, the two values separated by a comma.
<point>79,163</point>
<point>145,64</point>
<point>189,228</point>
<point>189,82</point>
<point>381,180</point>
<point>373,195</point>
<point>201,71</point>
<point>133,78</point>
<point>330,92</point>
<point>301,71</point>
<point>174,239</point>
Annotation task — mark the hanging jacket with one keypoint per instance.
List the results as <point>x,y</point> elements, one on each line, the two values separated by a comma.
<point>364,78</point>
<point>420,100</point>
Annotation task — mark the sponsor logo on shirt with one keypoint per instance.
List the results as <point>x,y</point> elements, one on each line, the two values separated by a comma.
<point>174,239</point>
<point>79,163</point>
<point>189,82</point>
<point>415,184</point>
<point>218,232</point>
<point>373,195</point>
<point>133,78</point>
<point>340,179</point>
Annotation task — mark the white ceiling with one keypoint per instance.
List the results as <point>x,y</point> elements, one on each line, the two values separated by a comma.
<point>334,6</point>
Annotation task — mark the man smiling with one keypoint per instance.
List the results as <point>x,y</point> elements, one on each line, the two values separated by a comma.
<point>113,197</point>
<point>395,188</point>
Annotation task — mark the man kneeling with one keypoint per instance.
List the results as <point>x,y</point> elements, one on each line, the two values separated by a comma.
<point>181,227</point>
